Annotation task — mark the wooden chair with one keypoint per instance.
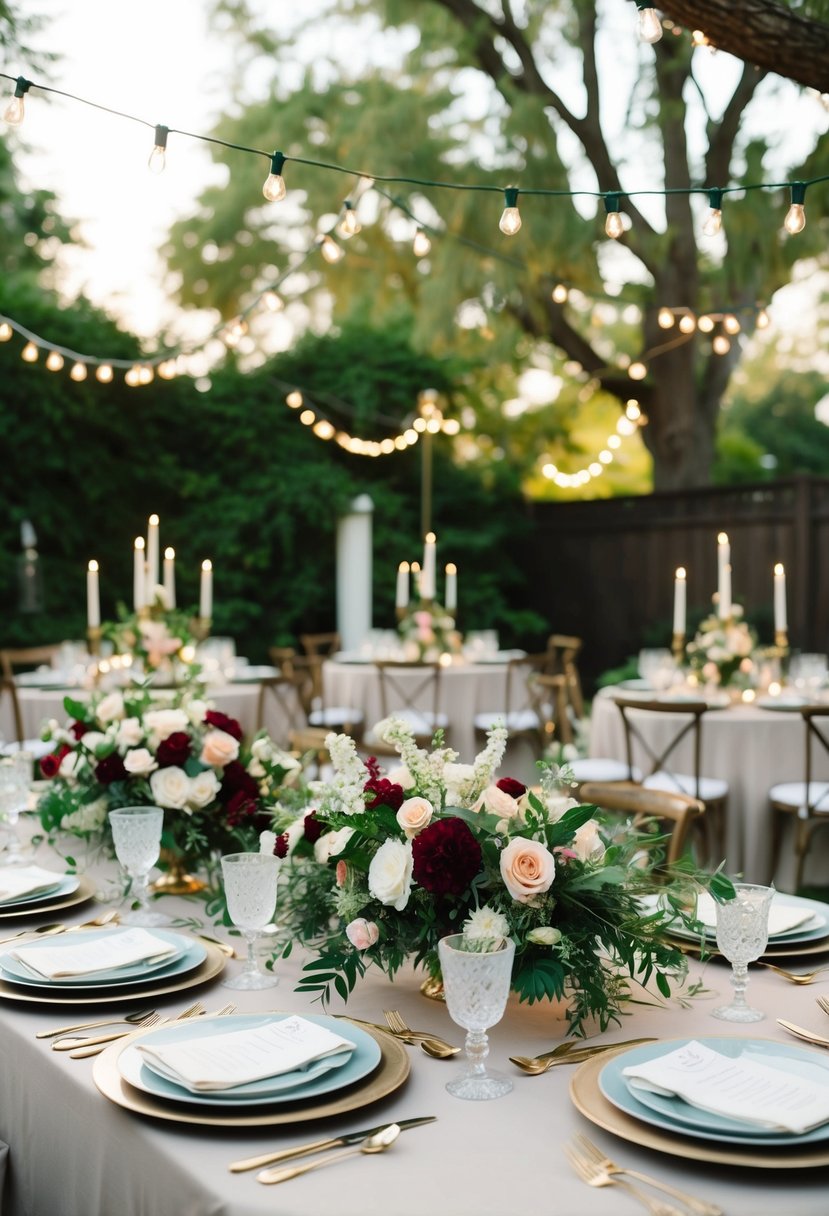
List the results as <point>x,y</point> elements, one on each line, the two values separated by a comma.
<point>520,710</point>
<point>15,659</point>
<point>282,690</point>
<point>323,644</point>
<point>806,802</point>
<point>405,698</point>
<point>563,652</point>
<point>677,813</point>
<point>308,674</point>
<point>8,693</point>
<point>309,742</point>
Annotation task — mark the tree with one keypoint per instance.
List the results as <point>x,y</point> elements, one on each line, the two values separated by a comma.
<point>483,99</point>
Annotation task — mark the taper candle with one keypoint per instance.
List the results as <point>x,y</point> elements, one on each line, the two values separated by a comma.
<point>170,577</point>
<point>723,576</point>
<point>427,578</point>
<point>93,602</point>
<point>206,590</point>
<point>139,575</point>
<point>401,598</point>
<point>450,595</point>
<point>152,558</point>
<point>780,621</point>
<point>680,587</point>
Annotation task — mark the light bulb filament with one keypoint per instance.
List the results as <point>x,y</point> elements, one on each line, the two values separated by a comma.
<point>510,221</point>
<point>274,188</point>
<point>158,157</point>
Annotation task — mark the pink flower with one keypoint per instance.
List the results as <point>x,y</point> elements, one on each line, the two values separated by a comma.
<point>341,873</point>
<point>362,933</point>
<point>219,749</point>
<point>527,868</point>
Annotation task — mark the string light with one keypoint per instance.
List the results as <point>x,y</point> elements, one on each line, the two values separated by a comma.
<point>29,353</point>
<point>349,225</point>
<point>510,221</point>
<point>613,225</point>
<point>687,323</point>
<point>104,374</point>
<point>713,221</point>
<point>626,426</point>
<point>647,23</point>
<point>15,111</point>
<point>559,294</point>
<point>6,331</point>
<point>421,245</point>
<point>273,301</point>
<point>274,188</point>
<point>158,157</point>
<point>54,361</point>
<point>78,372</point>
<point>330,250</point>
<point>720,345</point>
<point>795,220</point>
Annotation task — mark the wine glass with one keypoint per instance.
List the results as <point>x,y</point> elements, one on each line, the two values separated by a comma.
<point>742,934</point>
<point>476,986</point>
<point>15,779</point>
<point>658,668</point>
<point>250,891</point>
<point>136,834</point>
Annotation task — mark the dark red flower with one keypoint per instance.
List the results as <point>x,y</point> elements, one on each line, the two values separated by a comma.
<point>174,750</point>
<point>446,857</point>
<point>63,750</point>
<point>49,765</point>
<point>240,807</point>
<point>110,769</point>
<point>280,847</point>
<point>78,729</point>
<point>314,827</point>
<point>386,793</point>
<point>512,787</point>
<point>236,779</point>
<point>221,721</point>
<point>372,767</point>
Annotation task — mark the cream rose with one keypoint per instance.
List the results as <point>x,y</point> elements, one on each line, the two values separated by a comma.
<point>527,868</point>
<point>362,933</point>
<point>170,787</point>
<point>402,777</point>
<point>203,789</point>
<point>557,804</point>
<point>219,748</point>
<point>92,740</point>
<point>498,802</point>
<point>331,843</point>
<point>390,874</point>
<point>414,814</point>
<point>587,843</point>
<point>110,709</point>
<point>139,762</point>
<point>195,710</point>
<point>70,764</point>
<point>545,935</point>
<point>130,733</point>
<point>161,723</point>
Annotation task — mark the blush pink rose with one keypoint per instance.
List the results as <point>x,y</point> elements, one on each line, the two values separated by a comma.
<point>414,815</point>
<point>527,868</point>
<point>362,933</point>
<point>219,748</point>
<point>341,873</point>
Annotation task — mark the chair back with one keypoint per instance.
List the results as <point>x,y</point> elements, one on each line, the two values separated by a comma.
<point>651,759</point>
<point>309,743</point>
<point>323,644</point>
<point>282,691</point>
<point>417,697</point>
<point>815,735</point>
<point>549,700</point>
<point>8,691</point>
<point>27,656</point>
<point>563,651</point>
<point>675,812</point>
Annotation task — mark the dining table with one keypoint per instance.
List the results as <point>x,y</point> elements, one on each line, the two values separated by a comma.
<point>79,1146</point>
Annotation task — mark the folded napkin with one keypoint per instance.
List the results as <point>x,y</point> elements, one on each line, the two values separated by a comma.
<point>107,952</point>
<point>782,919</point>
<point>28,880</point>
<point>738,1087</point>
<point>216,1062</point>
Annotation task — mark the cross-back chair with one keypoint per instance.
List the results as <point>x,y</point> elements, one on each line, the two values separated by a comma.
<point>8,695</point>
<point>676,813</point>
<point>805,802</point>
<point>519,707</point>
<point>279,695</point>
<point>563,651</point>
<point>324,644</point>
<point>410,691</point>
<point>16,658</point>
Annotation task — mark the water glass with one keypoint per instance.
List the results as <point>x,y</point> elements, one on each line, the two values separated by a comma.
<point>476,985</point>
<point>250,891</point>
<point>658,667</point>
<point>136,834</point>
<point>808,673</point>
<point>742,935</point>
<point>15,779</point>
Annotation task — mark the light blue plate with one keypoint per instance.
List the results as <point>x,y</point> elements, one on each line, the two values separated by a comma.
<point>189,954</point>
<point>270,1090</point>
<point>672,1114</point>
<point>803,933</point>
<point>64,885</point>
<point>783,704</point>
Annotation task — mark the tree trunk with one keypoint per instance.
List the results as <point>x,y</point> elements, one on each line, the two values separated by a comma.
<point>679,434</point>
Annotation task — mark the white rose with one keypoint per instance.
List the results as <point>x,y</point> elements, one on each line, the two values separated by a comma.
<point>195,711</point>
<point>557,804</point>
<point>70,764</point>
<point>458,778</point>
<point>170,787</point>
<point>546,935</point>
<point>130,733</point>
<point>203,789</point>
<point>140,762</point>
<point>331,843</point>
<point>87,818</point>
<point>498,802</point>
<point>262,748</point>
<point>390,874</point>
<point>111,708</point>
<point>161,723</point>
<point>414,815</point>
<point>402,777</point>
<point>587,843</point>
<point>92,739</point>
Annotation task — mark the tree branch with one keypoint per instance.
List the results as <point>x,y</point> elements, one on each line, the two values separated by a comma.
<point>721,136</point>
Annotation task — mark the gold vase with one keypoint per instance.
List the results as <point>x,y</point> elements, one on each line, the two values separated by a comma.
<point>176,880</point>
<point>432,987</point>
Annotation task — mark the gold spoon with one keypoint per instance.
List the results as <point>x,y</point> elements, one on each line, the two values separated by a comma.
<point>378,1143</point>
<point>534,1067</point>
<point>438,1050</point>
<point>137,1016</point>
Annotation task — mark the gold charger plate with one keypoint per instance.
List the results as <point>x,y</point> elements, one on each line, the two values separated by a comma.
<point>777,950</point>
<point>82,895</point>
<point>212,965</point>
<point>388,1076</point>
<point>591,1102</point>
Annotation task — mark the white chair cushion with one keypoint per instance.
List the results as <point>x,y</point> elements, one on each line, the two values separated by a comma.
<point>794,794</point>
<point>600,768</point>
<point>335,715</point>
<point>38,747</point>
<point>710,788</point>
<point>519,719</point>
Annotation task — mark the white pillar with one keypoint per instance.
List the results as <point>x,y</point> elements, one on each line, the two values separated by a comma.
<point>354,573</point>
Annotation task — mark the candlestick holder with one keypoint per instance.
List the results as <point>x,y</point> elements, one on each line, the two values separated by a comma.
<point>400,611</point>
<point>781,639</point>
<point>200,627</point>
<point>93,639</point>
<point>678,648</point>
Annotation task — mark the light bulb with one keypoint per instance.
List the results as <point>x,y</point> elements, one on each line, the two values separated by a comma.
<point>649,25</point>
<point>730,324</point>
<point>330,250</point>
<point>349,225</point>
<point>166,370</point>
<point>421,245</point>
<point>273,301</point>
<point>637,370</point>
<point>560,294</point>
<point>29,353</point>
<point>274,188</point>
<point>713,223</point>
<point>721,345</point>
<point>795,220</point>
<point>15,111</point>
<point>78,372</point>
<point>6,331</point>
<point>706,324</point>
<point>613,225</point>
<point>294,399</point>
<point>104,374</point>
<point>687,323</point>
<point>54,361</point>
<point>763,319</point>
<point>307,417</point>
<point>665,318</point>
<point>510,221</point>
<point>158,157</point>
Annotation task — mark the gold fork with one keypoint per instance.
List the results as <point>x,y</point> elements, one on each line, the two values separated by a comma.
<point>67,1042</point>
<point>568,1052</point>
<point>610,1167</point>
<point>796,977</point>
<point>823,1002</point>
<point>91,1047</point>
<point>431,1044</point>
<point>594,1175</point>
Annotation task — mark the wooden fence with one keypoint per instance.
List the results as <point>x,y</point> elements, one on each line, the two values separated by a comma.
<point>604,570</point>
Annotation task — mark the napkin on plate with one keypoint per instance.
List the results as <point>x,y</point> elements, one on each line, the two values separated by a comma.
<point>215,1062</point>
<point>107,952</point>
<point>28,880</point>
<point>782,919</point>
<point>739,1087</point>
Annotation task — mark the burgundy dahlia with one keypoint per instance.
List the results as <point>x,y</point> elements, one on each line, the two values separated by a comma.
<point>382,792</point>
<point>446,857</point>
<point>512,787</point>
<point>314,827</point>
<point>220,721</point>
<point>173,750</point>
<point>49,765</point>
<point>240,808</point>
<point>236,778</point>
<point>110,769</point>
<point>280,848</point>
<point>78,729</point>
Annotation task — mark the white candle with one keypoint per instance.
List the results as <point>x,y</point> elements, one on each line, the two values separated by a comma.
<point>780,622</point>
<point>451,593</point>
<point>427,578</point>
<point>725,595</point>
<point>416,578</point>
<point>680,585</point>
<point>170,577</point>
<point>93,603</point>
<point>723,566</point>
<point>206,596</point>
<point>401,599</point>
<point>139,579</point>
<point>152,557</point>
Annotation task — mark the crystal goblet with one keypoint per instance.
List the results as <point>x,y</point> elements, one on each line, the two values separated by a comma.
<point>250,891</point>
<point>136,834</point>
<point>476,985</point>
<point>15,779</point>
<point>742,934</point>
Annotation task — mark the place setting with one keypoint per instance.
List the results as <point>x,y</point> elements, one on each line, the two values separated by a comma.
<point>30,889</point>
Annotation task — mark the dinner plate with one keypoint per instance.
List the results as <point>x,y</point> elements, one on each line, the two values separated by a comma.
<point>672,1114</point>
<point>497,656</point>
<point>638,684</point>
<point>188,954</point>
<point>253,675</point>
<point>782,704</point>
<point>588,1099</point>
<point>43,679</point>
<point>83,892</point>
<point>387,1077</point>
<point>118,994</point>
<point>64,884</point>
<point>324,1076</point>
<point>814,930</point>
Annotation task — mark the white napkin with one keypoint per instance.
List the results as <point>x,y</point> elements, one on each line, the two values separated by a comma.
<point>782,919</point>
<point>739,1087</point>
<point>27,880</point>
<point>224,1061</point>
<point>113,949</point>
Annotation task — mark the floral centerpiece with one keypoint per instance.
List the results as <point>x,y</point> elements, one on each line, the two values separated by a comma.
<point>427,631</point>
<point>387,864</point>
<point>158,639</point>
<point>721,650</point>
<point>131,747</point>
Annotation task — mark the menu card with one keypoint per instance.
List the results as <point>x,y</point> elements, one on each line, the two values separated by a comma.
<point>223,1061</point>
<point>782,919</point>
<point>110,951</point>
<point>739,1087</point>
<point>27,880</point>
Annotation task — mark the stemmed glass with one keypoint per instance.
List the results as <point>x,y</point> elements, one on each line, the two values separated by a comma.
<point>476,984</point>
<point>15,779</point>
<point>742,934</point>
<point>136,834</point>
<point>250,891</point>
<point>658,667</point>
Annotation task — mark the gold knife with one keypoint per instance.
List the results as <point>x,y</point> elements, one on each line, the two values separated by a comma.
<point>808,1035</point>
<point>317,1146</point>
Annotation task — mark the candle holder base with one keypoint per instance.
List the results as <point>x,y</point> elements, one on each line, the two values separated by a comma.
<point>678,648</point>
<point>200,627</point>
<point>93,639</point>
<point>781,640</point>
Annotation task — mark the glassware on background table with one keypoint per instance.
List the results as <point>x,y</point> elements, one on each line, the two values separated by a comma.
<point>476,985</point>
<point>136,834</point>
<point>659,668</point>
<point>250,891</point>
<point>15,780</point>
<point>480,644</point>
<point>808,673</point>
<point>742,935</point>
